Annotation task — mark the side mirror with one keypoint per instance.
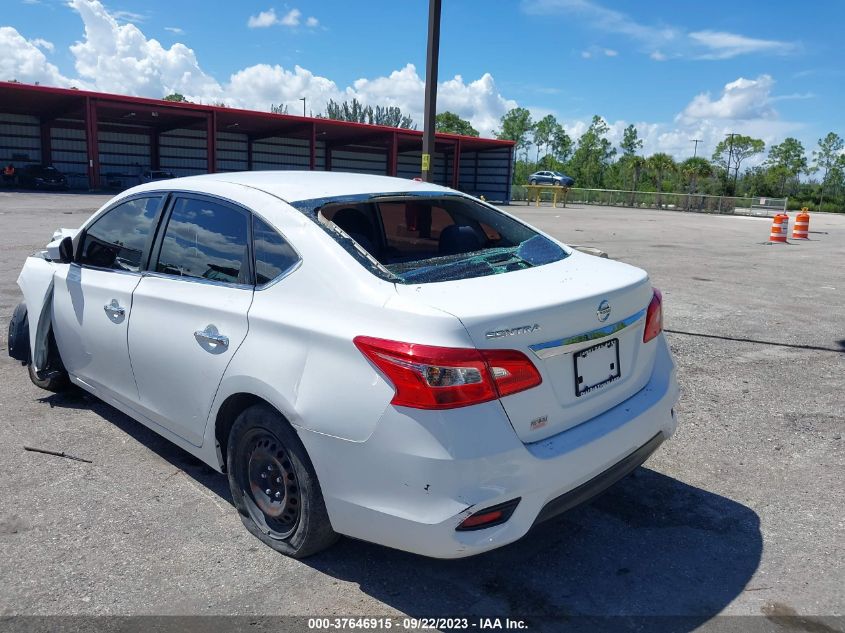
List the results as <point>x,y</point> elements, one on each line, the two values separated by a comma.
<point>66,251</point>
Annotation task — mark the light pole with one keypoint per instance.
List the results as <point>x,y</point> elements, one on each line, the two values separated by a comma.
<point>431,60</point>
<point>303,105</point>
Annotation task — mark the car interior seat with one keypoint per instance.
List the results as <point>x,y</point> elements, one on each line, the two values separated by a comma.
<point>455,239</point>
<point>357,226</point>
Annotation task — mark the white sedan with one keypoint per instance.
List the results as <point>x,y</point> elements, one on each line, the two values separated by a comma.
<point>386,359</point>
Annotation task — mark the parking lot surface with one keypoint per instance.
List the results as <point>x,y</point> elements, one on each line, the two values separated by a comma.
<point>742,512</point>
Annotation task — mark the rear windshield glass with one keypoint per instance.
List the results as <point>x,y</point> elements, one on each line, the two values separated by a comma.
<point>418,239</point>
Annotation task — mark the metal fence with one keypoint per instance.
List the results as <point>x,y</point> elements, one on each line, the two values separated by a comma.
<point>653,200</point>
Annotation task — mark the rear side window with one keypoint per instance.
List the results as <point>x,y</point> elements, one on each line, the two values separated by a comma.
<point>117,239</point>
<point>206,240</point>
<point>273,255</point>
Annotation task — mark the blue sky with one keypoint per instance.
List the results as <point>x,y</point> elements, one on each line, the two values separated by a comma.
<point>678,70</point>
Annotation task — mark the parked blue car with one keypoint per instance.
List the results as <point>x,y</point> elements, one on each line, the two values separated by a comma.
<point>550,178</point>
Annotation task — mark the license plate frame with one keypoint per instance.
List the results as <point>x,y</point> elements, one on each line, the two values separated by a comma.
<point>603,354</point>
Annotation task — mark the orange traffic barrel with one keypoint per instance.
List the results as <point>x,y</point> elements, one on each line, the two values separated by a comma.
<point>801,229</point>
<point>780,228</point>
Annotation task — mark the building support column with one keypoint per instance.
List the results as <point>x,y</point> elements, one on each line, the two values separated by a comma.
<point>313,147</point>
<point>249,153</point>
<point>155,152</point>
<point>456,165</point>
<point>393,156</point>
<point>91,141</point>
<point>211,141</point>
<point>328,157</point>
<point>46,143</point>
<point>510,174</point>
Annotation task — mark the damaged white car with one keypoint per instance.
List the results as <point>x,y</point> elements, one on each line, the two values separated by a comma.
<point>385,359</point>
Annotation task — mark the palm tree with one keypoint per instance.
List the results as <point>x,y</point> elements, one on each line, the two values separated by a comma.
<point>637,163</point>
<point>660,164</point>
<point>693,169</point>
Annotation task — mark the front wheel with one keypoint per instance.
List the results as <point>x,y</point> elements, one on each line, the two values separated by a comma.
<point>54,380</point>
<point>274,486</point>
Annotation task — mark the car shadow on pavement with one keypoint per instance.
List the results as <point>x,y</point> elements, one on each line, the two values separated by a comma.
<point>76,398</point>
<point>650,546</point>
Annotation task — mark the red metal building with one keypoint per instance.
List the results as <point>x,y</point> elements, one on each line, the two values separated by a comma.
<point>106,141</point>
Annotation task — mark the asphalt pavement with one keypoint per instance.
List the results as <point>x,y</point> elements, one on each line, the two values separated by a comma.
<point>741,513</point>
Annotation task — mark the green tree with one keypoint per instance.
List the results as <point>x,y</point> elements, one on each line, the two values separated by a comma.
<point>631,142</point>
<point>451,123</point>
<point>661,164</point>
<point>175,96</point>
<point>593,154</point>
<point>560,144</point>
<point>692,169</point>
<point>516,125</point>
<point>357,112</point>
<point>543,131</point>
<point>278,109</point>
<point>828,159</point>
<point>786,161</point>
<point>732,151</point>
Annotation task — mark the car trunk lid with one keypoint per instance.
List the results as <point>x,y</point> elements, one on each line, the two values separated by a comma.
<point>553,313</point>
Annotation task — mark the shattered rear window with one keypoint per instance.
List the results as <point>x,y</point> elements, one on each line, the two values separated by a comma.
<point>423,238</point>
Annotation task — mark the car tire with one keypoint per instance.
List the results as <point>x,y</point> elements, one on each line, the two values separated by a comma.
<point>533,181</point>
<point>56,380</point>
<point>289,514</point>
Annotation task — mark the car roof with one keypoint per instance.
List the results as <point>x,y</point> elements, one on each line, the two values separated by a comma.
<point>293,186</point>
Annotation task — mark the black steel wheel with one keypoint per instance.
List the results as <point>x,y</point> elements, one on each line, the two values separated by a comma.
<point>273,499</point>
<point>274,486</point>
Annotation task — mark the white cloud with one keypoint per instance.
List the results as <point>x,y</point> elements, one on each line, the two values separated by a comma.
<point>119,58</point>
<point>263,19</point>
<point>175,30</point>
<point>24,61</point>
<point>724,45</point>
<point>43,44</point>
<point>597,51</point>
<point>291,18</point>
<point>653,39</point>
<point>743,106</point>
<point>740,99</point>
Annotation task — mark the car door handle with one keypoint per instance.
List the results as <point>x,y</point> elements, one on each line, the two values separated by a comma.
<point>114,308</point>
<point>211,335</point>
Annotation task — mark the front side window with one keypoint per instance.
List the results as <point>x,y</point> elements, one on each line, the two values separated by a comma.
<point>117,239</point>
<point>420,239</point>
<point>273,255</point>
<point>206,240</point>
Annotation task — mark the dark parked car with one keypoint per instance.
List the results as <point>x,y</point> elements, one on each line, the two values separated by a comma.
<point>152,175</point>
<point>550,178</point>
<point>41,177</point>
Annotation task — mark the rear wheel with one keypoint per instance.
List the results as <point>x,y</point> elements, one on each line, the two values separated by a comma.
<point>533,181</point>
<point>274,486</point>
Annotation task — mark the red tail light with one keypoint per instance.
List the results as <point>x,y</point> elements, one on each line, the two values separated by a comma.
<point>654,317</point>
<point>428,377</point>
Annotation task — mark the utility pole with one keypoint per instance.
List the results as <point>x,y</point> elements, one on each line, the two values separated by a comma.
<point>695,148</point>
<point>303,105</point>
<point>431,61</point>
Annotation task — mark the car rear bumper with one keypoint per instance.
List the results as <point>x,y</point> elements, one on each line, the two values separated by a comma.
<point>410,491</point>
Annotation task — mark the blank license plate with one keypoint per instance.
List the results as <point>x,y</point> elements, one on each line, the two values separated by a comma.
<point>596,366</point>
